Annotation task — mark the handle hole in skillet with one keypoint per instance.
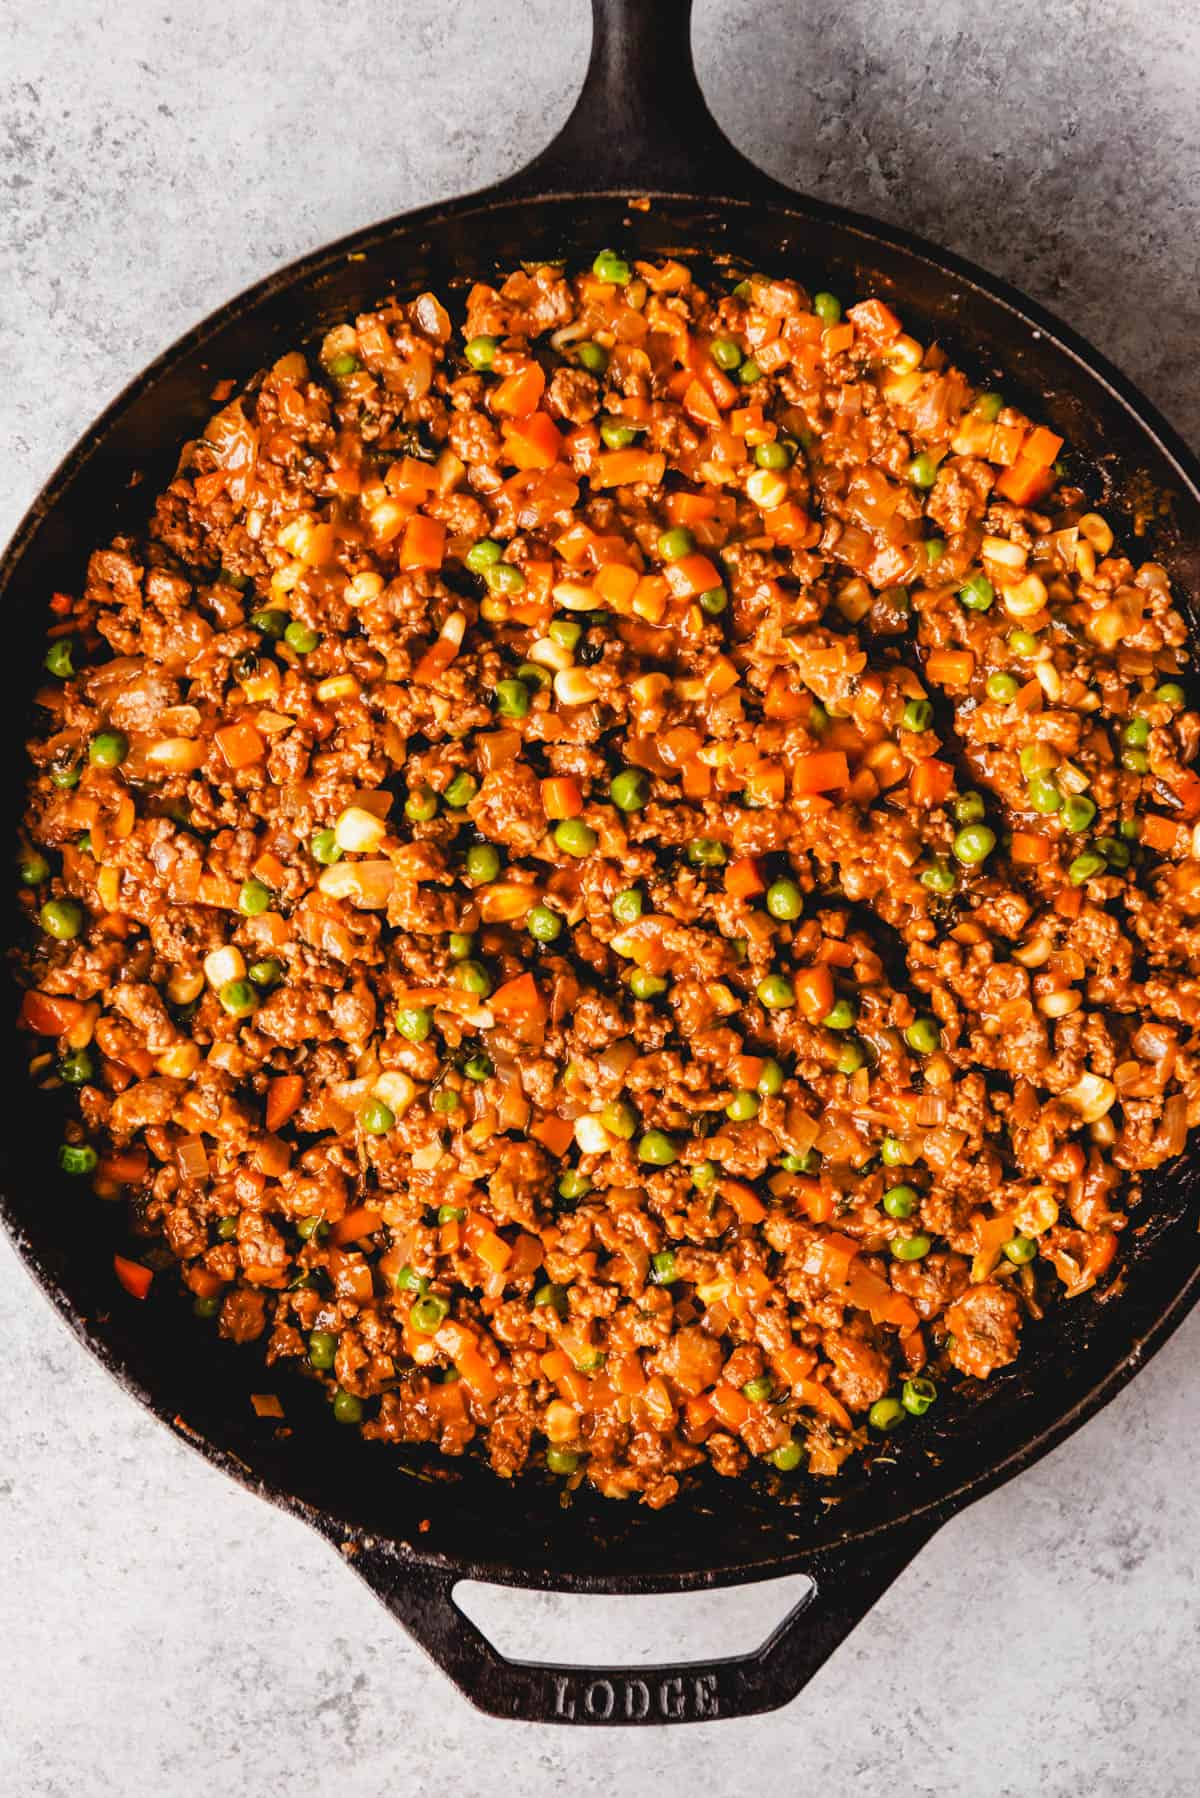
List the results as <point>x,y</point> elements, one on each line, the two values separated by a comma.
<point>569,1629</point>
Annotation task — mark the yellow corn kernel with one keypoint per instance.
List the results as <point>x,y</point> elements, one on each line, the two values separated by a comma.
<point>1037,1212</point>
<point>1060,1003</point>
<point>549,654</point>
<point>1004,553</point>
<point>1092,1096</point>
<point>108,888</point>
<point>561,1422</point>
<point>591,1136</point>
<point>387,520</point>
<point>396,1090</point>
<point>1049,680</point>
<point>1026,597</point>
<point>575,686</point>
<point>223,965</point>
<point>179,755</point>
<point>80,1034</point>
<point>338,686</point>
<point>904,354</point>
<point>358,830</point>
<point>1097,532</point>
<point>285,578</point>
<point>576,596</point>
<point>184,985</point>
<point>179,1062</point>
<point>1085,560</point>
<point>766,488</point>
<point>363,587</point>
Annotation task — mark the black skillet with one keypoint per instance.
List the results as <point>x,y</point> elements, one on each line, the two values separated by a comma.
<point>411,1526</point>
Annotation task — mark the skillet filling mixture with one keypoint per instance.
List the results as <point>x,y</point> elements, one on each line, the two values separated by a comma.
<point>619,882</point>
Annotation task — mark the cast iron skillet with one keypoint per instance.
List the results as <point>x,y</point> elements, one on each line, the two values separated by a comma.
<point>415,1526</point>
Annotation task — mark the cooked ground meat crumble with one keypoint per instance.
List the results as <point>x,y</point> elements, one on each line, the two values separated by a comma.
<point>619,882</point>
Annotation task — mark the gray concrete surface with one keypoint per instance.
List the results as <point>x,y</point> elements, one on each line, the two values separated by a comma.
<point>160,1631</point>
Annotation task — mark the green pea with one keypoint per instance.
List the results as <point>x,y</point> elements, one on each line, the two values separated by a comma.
<point>977,593</point>
<point>1115,852</point>
<point>84,845</point>
<point>725,353</point>
<point>749,372</point>
<point>911,1248</point>
<point>827,307</point>
<point>543,924</point>
<point>561,1460</point>
<point>58,659</point>
<point>446,1100</point>
<point>566,631</point>
<point>270,623</point>
<point>644,985</point>
<point>238,998</point>
<point>461,791</point>
<point>989,406</point>
<point>472,977</point>
<point>308,1227</point>
<point>772,455</point>
<point>742,1107</point>
<point>1170,693</point>
<point>482,863</point>
<point>512,698</point>
<point>65,774</point>
<point>1002,687</point>
<point>377,1118</point>
<point>414,1023</point>
<point>714,601</point>
<point>787,1457</point>
<point>770,1081</point>
<point>969,808</point>
<point>1020,1249</point>
<point>552,1295</point>
<point>841,1017</point>
<point>421,805</point>
<point>77,1158</point>
<point>322,1349</point>
<point>574,837</point>
<point>704,1174</point>
<point>76,1067</point>
<point>893,1153</point>
<point>347,1408</point>
<point>573,1185</point>
<point>705,852</point>
<point>34,869</point>
<point>615,435</point>
<point>1136,761</point>
<point>1023,643</point>
<point>1085,867</point>
<point>662,1268</point>
<point>1137,733</point>
<point>227,1228</point>
<point>923,1036</point>
<point>108,749</point>
<point>627,906</point>
<point>886,1415</point>
<point>480,351</point>
<point>206,1307</point>
<point>341,366</point>
<point>675,543</point>
<point>408,1281</point>
<point>916,1395</point>
<point>1078,811</point>
<point>935,549</point>
<point>61,919</point>
<point>775,992</point>
<point>1130,828</point>
<point>759,1390</point>
<point>483,554</point>
<point>610,267</point>
<point>917,715</point>
<point>851,1057</point>
<point>253,898</point>
<point>657,1148</point>
<point>974,844</point>
<point>1044,794</point>
<point>301,637</point>
<point>504,577</point>
<point>923,470</point>
<point>460,944</point>
<point>808,1163</point>
<point>593,357</point>
<point>619,1118</point>
<point>323,847</point>
<point>479,1067</point>
<point>785,900</point>
<point>900,1201</point>
<point>630,789</point>
<point>1030,759</point>
<point>939,877</point>
<point>429,1313</point>
<point>818,719</point>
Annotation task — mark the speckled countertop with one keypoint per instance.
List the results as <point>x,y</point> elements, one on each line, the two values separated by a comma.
<point>160,1631</point>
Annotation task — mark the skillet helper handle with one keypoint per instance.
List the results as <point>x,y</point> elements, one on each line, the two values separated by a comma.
<point>845,1586</point>
<point>641,122</point>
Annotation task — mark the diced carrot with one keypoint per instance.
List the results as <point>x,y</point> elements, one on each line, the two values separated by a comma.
<point>650,598</point>
<point>875,320</point>
<point>477,1375</point>
<point>730,1405</point>
<point>950,667</point>
<point>1041,447</point>
<point>789,524</point>
<point>359,1221</point>
<point>533,442</point>
<point>931,782</point>
<point>504,901</point>
<point>575,543</point>
<point>1006,444</point>
<point>561,797</point>
<point>411,480</point>
<point>133,1276</point>
<point>819,1398</point>
<point>203,1282</point>
<point>517,997</point>
<point>700,405</point>
<point>817,1203</point>
<point>616,583</point>
<point>744,1200</point>
<point>619,468</point>
<point>1030,848</point>
<point>519,393</point>
<point>555,1133</point>
<point>1025,481</point>
<point>783,700</point>
<point>746,1070</point>
<point>208,486</point>
<point>766,783</point>
<point>744,878</point>
<point>814,992</point>
<point>128,1166</point>
<point>794,1363</point>
<point>1069,902</point>
<point>424,544</point>
<point>699,1414</point>
<point>820,771</point>
<point>691,575</point>
<point>272,1156</point>
<point>241,745</point>
<point>627,1375</point>
<point>1158,832</point>
<point>690,508</point>
<point>283,1097</point>
<point>266,1404</point>
<point>493,1251</point>
<point>1186,787</point>
<point>697,778</point>
<point>746,419</point>
<point>270,869</point>
<point>837,338</point>
<point>50,1014</point>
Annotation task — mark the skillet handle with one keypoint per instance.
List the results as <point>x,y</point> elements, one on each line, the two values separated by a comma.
<point>846,1585</point>
<point>641,122</point>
